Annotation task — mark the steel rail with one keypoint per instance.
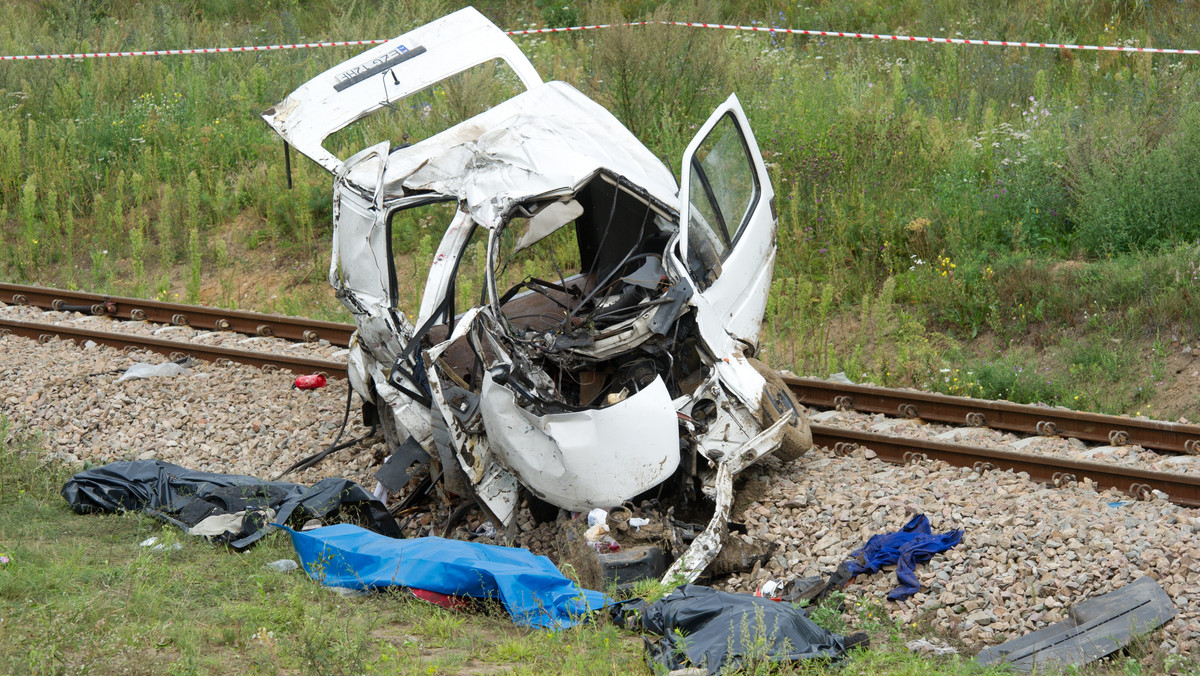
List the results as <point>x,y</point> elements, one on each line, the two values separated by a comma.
<point>173,348</point>
<point>1001,415</point>
<point>197,316</point>
<point>1181,489</point>
<point>1139,483</point>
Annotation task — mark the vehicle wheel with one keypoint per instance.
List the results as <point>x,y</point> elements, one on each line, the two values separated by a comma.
<point>777,398</point>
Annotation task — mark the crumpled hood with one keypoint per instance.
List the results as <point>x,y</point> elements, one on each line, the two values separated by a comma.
<point>543,142</point>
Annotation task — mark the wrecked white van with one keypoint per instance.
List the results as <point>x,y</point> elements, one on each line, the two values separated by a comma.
<point>587,326</point>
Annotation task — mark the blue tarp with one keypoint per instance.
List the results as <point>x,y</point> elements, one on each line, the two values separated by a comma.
<point>531,588</point>
<point>914,543</point>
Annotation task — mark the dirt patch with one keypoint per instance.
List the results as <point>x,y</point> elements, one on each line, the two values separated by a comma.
<point>1178,398</point>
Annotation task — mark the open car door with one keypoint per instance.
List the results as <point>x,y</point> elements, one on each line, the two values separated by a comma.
<point>727,225</point>
<point>385,74</point>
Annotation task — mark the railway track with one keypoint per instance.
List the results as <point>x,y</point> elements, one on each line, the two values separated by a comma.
<point>195,316</point>
<point>1000,415</point>
<point>1138,483</point>
<point>173,348</point>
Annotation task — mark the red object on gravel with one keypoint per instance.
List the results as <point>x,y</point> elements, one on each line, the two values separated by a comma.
<point>309,382</point>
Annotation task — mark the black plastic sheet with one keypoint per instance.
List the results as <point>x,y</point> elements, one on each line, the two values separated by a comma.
<point>714,630</point>
<point>184,497</point>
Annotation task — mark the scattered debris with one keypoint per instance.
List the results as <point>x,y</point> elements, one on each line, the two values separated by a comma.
<point>530,587</point>
<point>1093,629</point>
<point>714,630</point>
<point>310,382</point>
<point>239,506</point>
<point>283,565</point>
<point>156,546</point>
<point>927,647</point>
<point>914,543</point>
<point>164,370</point>
<point>807,591</point>
<point>611,313</point>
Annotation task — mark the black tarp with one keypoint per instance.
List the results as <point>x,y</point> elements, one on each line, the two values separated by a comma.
<point>715,630</point>
<point>185,497</point>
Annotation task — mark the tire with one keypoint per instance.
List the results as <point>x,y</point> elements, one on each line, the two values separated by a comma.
<point>777,399</point>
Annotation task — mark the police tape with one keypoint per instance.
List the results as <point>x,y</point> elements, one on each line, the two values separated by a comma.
<point>197,50</point>
<point>690,24</point>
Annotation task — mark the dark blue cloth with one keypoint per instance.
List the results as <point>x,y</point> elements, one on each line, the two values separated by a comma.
<point>533,591</point>
<point>914,543</point>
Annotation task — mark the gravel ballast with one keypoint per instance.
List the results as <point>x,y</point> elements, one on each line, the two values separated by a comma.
<point>227,418</point>
<point>1028,553</point>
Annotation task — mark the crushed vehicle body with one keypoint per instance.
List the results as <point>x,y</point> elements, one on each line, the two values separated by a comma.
<point>587,328</point>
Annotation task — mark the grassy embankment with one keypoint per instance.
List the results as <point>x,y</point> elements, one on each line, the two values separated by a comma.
<point>79,595</point>
<point>994,222</point>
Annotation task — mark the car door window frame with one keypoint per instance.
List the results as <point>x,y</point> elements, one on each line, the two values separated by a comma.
<point>722,236</point>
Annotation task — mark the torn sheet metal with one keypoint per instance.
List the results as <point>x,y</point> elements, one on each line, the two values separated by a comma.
<point>351,90</point>
<point>587,325</point>
<point>581,460</point>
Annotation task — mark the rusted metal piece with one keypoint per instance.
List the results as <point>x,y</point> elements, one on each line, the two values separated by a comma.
<point>1180,488</point>
<point>1000,415</point>
<point>199,317</point>
<point>173,348</point>
<point>843,448</point>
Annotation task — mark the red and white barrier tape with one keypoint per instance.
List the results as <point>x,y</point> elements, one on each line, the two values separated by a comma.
<point>946,41</point>
<point>568,29</point>
<point>198,50</point>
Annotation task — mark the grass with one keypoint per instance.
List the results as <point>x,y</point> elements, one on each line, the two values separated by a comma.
<point>79,595</point>
<point>961,206</point>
